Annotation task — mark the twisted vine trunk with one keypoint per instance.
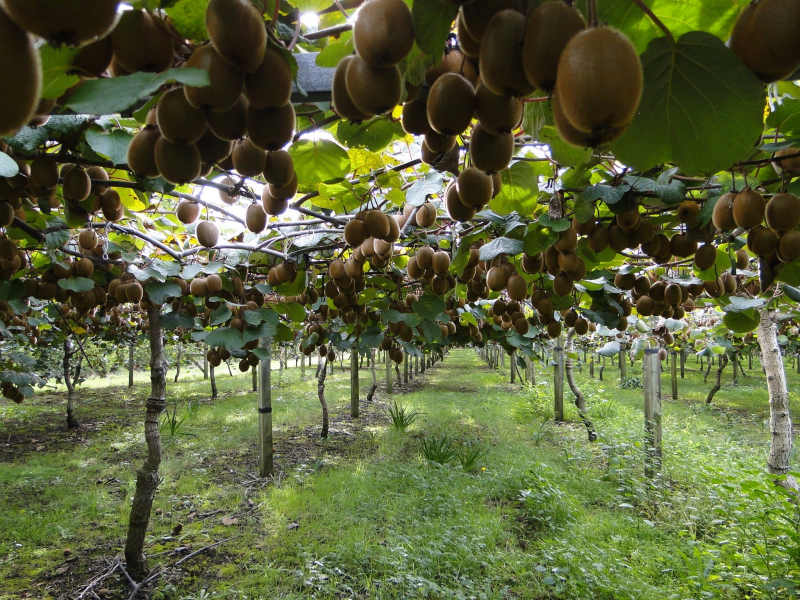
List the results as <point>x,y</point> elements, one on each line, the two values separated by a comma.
<point>580,400</point>
<point>213,381</point>
<point>780,421</point>
<point>723,362</point>
<point>147,478</point>
<point>374,385</point>
<point>72,422</point>
<point>323,372</point>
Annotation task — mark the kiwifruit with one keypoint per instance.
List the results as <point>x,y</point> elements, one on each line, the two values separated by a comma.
<point>377,223</point>
<point>179,121</point>
<point>383,33</point>
<point>428,156</point>
<point>355,232</point>
<point>476,15</point>
<point>451,103</point>
<point>521,325</point>
<point>598,239</point>
<point>424,257</point>
<point>742,259</point>
<point>77,185</point>
<point>373,90</point>
<point>340,98</point>
<point>72,22</point>
<point>672,294</point>
<point>783,212</point>
<point>583,228</point>
<point>496,278</point>
<point>722,217</point>
<point>453,61</point>
<point>474,188</point>
<point>497,114</point>
<point>567,240</point>
<point>44,171</point>
<point>198,287</point>
<point>438,142</point>
<point>578,138</point>
<point>284,192</point>
<point>226,83</point>
<point>237,32</point>
<point>441,262</point>
<point>490,153</point>
<point>426,215</point>
<point>501,55</point>
<point>456,208</point>
<point>628,219</point>
<point>599,82</point>
<point>765,38</point>
<point>110,201</point>
<point>625,281</point>
<point>688,211</point>
<point>96,173</point>
<point>705,257</point>
<point>394,228</point>
<point>187,211</point>
<point>212,148</point>
<point>533,264</point>
<point>19,62</point>
<point>134,291</point>
<point>787,165</point>
<point>207,233</point>
<point>177,163</point>
<point>142,43</point>
<point>645,306</point>
<point>255,218</point>
<point>248,160</point>
<point>682,246</point>
<point>762,241</point>
<point>547,31</point>
<point>141,152</point>
<point>562,284</point>
<point>469,45</point>
<point>618,238</point>
<point>84,267</point>
<point>748,208</point>
<point>87,239</point>
<point>93,59</point>
<point>273,206</point>
<point>790,245</point>
<point>279,169</point>
<point>271,83</point>
<point>230,124</point>
<point>271,128</point>
<point>414,118</point>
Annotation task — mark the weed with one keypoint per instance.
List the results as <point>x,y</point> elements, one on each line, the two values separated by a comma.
<point>632,383</point>
<point>402,418</point>
<point>543,504</point>
<point>437,449</point>
<point>468,455</point>
<point>171,422</point>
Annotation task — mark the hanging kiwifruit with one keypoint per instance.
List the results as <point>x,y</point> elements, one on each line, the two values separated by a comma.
<point>517,287</point>
<point>705,257</point>
<point>271,128</point>
<point>426,215</point>
<point>783,212</point>
<point>93,59</point>
<point>97,174</point>
<point>688,211</point>
<point>77,185</point>
<point>355,232</point>
<point>141,152</point>
<point>71,22</point>
<point>548,30</point>
<point>230,124</point>
<point>742,259</point>
<point>501,55</point>
<point>424,257</point>
<point>451,104</point>
<point>645,306</point>
<point>599,82</point>
<point>414,118</point>
<point>497,278</point>
<point>474,188</point>
<point>578,138</point>
<point>377,223</point>
<point>469,45</point>
<point>722,217</point>
<point>237,32</point>
<point>207,234</point>
<point>383,33</point>
<point>790,245</point>
<point>226,83</point>
<point>212,148</point>
<point>177,163</point>
<point>44,171</point>
<point>476,15</point>
<point>765,37</point>
<point>497,114</point>
<point>273,206</point>
<point>490,153</point>
<point>340,97</point>
<point>19,63</point>
<point>373,90</point>
<point>87,239</point>
<point>284,192</point>
<point>598,239</point>
<point>441,262</point>
<point>279,169</point>
<point>436,142</point>
<point>179,121</point>
<point>187,211</point>
<point>456,208</point>
<point>791,164</point>
<point>255,218</point>
<point>248,160</point>
<point>271,83</point>
<point>453,61</point>
<point>748,208</point>
<point>762,241</point>
<point>142,43</point>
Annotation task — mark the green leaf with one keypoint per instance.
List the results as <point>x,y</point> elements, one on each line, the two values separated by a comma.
<point>374,135</point>
<point>189,18</point>
<point>117,94</point>
<point>431,332</point>
<point>429,306</point>
<point>318,162</point>
<point>76,284</point>
<point>741,322</point>
<point>284,333</point>
<point>534,118</point>
<point>417,63</point>
<point>332,54</point>
<point>427,185</point>
<point>701,107</point>
<point>670,192</point>
<point>609,349</point>
<point>501,245</point>
<point>158,292</point>
<point>173,320</point>
<point>56,64</point>
<point>220,316</point>
<point>111,144</point>
<point>228,338</point>
<point>739,304</point>
<point>563,153</point>
<point>8,166</point>
<point>256,317</point>
<point>11,290</point>
<point>310,6</point>
<point>395,316</point>
<point>293,310</point>
<point>605,193</point>
<point>520,190</point>
<point>785,117</point>
<point>558,225</point>
<point>537,239</point>
<point>258,332</point>
<point>432,22</point>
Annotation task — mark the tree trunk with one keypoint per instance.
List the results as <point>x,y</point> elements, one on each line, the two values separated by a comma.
<point>354,383</point>
<point>580,401</point>
<point>178,363</point>
<point>266,455</point>
<point>213,381</point>
<point>374,386</point>
<point>72,422</point>
<point>780,420</point>
<point>723,362</point>
<point>130,364</point>
<point>321,393</point>
<point>147,478</point>
<point>708,370</point>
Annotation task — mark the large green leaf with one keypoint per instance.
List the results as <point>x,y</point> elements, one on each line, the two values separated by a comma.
<point>429,306</point>
<point>76,284</point>
<point>228,338</point>
<point>318,162</point>
<point>334,52</point>
<point>501,245</point>
<point>432,22</point>
<point>8,166</point>
<point>56,64</point>
<point>563,153</point>
<point>189,18</point>
<point>112,144</point>
<point>701,109</point>
<point>741,322</point>
<point>786,117</point>
<point>520,188</point>
<point>159,292</point>
<point>173,319</point>
<point>374,135</point>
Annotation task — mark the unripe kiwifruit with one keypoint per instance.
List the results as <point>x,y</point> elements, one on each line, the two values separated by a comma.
<point>355,232</point>
<point>547,31</point>
<point>340,98</point>
<point>722,217</point>
<point>141,152</point>
<point>490,153</point>
<point>187,211</point>
<point>72,22</point>
<point>237,32</point>
<point>214,283</point>
<point>271,84</point>
<point>271,128</point>
<point>248,159</point>
<point>177,163</point>
<point>279,169</point>
<point>373,90</point>
<point>456,208</point>
<point>705,257</point>
<point>383,33</point>
<point>441,262</point>
<point>501,55</point>
<point>414,118</point>
<point>783,212</point>
<point>225,82</point>
<point>273,206</point>
<point>229,124</point>
<point>451,104</point>
<point>765,37</point>
<point>84,267</point>
<point>255,218</point>
<point>142,43</point>
<point>179,121</point>
<point>424,257</point>
<point>688,211</point>
<point>207,234</point>
<point>426,215</point>
<point>87,239</point>
<point>497,278</point>
<point>748,208</point>
<point>77,185</point>
<point>497,114</point>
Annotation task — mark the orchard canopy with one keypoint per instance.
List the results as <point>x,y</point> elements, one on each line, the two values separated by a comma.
<point>457,173</point>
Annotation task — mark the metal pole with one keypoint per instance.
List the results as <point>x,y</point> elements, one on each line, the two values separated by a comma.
<point>652,411</point>
<point>265,453</point>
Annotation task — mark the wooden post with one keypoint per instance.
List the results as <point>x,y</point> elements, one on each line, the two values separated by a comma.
<point>621,360</point>
<point>652,411</point>
<point>354,383</point>
<point>591,367</point>
<point>735,361</point>
<point>512,361</point>
<point>423,360</point>
<point>674,371</point>
<point>683,363</point>
<point>558,381</point>
<point>302,365</point>
<point>405,368</point>
<point>130,364</point>
<point>265,462</point>
<point>205,362</point>
<point>388,376</point>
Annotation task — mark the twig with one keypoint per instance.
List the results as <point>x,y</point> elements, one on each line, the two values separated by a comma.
<point>203,549</point>
<point>96,580</point>
<point>147,580</point>
<point>330,31</point>
<point>77,339</point>
<point>646,10</point>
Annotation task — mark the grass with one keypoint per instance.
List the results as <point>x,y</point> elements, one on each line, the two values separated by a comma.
<point>539,513</point>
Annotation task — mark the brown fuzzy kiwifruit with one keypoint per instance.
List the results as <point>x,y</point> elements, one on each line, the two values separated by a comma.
<point>748,208</point>
<point>284,192</point>
<point>742,259</point>
<point>554,329</point>
<point>625,281</point>
<point>187,211</point>
<point>475,16</point>
<point>469,45</point>
<point>497,278</point>
<point>547,31</point>
<point>71,22</point>
<point>599,82</point>
<point>248,159</point>
<point>426,215</point>
<point>598,239</point>
<point>279,169</point>
<point>237,32</point>
<point>790,164</point>
<point>628,219</point>
<point>341,101</point>
<point>87,239</point>
<point>454,61</point>
<point>682,245</point>
<point>570,134</point>
<point>373,90</point>
<point>490,153</point>
<point>207,234</point>
<point>179,121</point>
<point>451,103</point>
<point>229,124</point>
<point>271,128</point>
<point>438,142</point>
<point>93,59</point>
<point>517,287</point>
<point>501,55</point>
<point>456,208</point>
<point>77,185</point>
<point>212,148</point>
<point>134,291</point>
<point>141,152</point>
<point>722,217</point>
<point>97,174</point>
<point>110,201</point>
<point>783,212</point>
<point>271,83</point>
<point>142,43</point>
<point>497,114</point>
<point>383,33</point>
<point>198,287</point>
<point>705,257</point>
<point>688,211</point>
<point>273,206</point>
<point>673,295</point>
<point>562,284</point>
<point>790,245</point>
<point>474,188</point>
<point>414,118</point>
<point>177,163</point>
<point>642,285</point>
<point>355,233</point>
<point>424,257</point>
<point>84,267</point>
<point>44,171</point>
<point>583,228</point>
<point>377,223</point>
<point>618,238</point>
<point>762,241</point>
<point>567,240</point>
<point>394,228</point>
<point>533,264</point>
<point>441,262</point>
<point>645,306</point>
<point>568,261</point>
<point>255,218</point>
<point>765,38</point>
<point>225,82</point>
<point>19,62</point>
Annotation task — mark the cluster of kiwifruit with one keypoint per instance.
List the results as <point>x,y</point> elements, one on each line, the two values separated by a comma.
<point>371,235</point>
<point>345,283</point>
<point>217,355</point>
<point>284,272</point>
<point>322,336</point>
<point>432,268</point>
<point>405,332</point>
<point>470,192</point>
<point>12,392</point>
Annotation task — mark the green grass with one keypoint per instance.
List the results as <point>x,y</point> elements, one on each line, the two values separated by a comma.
<point>541,514</point>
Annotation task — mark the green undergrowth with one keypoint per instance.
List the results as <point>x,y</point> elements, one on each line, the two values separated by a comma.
<point>535,511</point>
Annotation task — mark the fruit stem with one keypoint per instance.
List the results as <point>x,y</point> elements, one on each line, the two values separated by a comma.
<point>646,10</point>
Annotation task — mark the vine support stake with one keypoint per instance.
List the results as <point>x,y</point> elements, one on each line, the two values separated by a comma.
<point>354,382</point>
<point>558,381</point>
<point>388,362</point>
<point>265,454</point>
<point>652,411</point>
<point>674,372</point>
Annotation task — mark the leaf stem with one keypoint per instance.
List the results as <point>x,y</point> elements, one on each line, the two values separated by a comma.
<point>646,10</point>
